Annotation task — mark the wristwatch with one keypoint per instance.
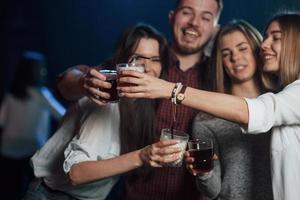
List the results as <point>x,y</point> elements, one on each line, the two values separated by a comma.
<point>180,96</point>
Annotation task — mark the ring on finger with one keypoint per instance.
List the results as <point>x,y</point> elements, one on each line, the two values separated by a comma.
<point>96,96</point>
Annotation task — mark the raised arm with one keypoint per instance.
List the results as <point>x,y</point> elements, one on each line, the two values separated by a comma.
<point>82,80</point>
<point>70,83</point>
<point>225,106</point>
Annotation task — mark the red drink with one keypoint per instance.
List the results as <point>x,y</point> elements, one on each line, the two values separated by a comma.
<point>202,152</point>
<point>111,77</point>
<point>129,66</point>
<point>202,159</point>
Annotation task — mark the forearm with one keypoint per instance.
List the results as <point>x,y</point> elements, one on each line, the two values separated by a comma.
<point>95,170</point>
<point>225,106</point>
<point>210,186</point>
<point>221,105</point>
<point>70,84</point>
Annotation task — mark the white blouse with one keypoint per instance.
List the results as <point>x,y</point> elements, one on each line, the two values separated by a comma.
<point>281,113</point>
<point>88,132</point>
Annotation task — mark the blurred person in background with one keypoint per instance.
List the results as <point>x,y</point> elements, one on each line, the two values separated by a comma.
<point>25,120</point>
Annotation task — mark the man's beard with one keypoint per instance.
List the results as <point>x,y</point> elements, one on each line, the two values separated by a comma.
<point>189,50</point>
<point>186,50</point>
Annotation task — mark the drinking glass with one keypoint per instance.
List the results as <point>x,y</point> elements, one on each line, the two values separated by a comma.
<point>202,152</point>
<point>111,76</point>
<point>129,66</point>
<point>181,137</point>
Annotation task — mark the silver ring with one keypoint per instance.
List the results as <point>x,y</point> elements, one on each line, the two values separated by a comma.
<point>96,96</point>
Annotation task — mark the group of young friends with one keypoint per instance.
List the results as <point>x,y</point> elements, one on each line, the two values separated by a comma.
<point>247,92</point>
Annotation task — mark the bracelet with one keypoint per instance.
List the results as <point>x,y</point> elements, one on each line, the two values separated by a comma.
<point>180,95</point>
<point>175,91</point>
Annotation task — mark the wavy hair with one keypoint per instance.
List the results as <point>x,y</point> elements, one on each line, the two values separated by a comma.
<point>222,82</point>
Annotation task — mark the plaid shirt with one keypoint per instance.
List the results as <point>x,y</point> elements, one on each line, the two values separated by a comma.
<point>169,183</point>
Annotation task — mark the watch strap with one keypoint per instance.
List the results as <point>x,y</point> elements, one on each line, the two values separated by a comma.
<point>181,94</point>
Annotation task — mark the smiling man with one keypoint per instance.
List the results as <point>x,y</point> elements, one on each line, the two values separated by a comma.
<point>193,23</point>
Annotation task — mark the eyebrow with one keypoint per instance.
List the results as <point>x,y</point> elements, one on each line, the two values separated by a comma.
<point>238,45</point>
<point>185,7</point>
<point>272,33</point>
<point>276,31</point>
<point>190,8</point>
<point>154,56</point>
<point>209,13</point>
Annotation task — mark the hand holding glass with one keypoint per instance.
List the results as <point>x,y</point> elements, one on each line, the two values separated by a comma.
<point>129,66</point>
<point>202,152</point>
<point>111,77</point>
<point>181,137</point>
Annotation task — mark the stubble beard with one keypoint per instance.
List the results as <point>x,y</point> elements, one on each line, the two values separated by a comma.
<point>187,50</point>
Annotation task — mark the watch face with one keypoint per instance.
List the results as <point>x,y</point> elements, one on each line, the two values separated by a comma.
<point>180,97</point>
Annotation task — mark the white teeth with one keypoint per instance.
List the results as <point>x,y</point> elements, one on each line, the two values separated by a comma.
<point>239,67</point>
<point>191,32</point>
<point>267,57</point>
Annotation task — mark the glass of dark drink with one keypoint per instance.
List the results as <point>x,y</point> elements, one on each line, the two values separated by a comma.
<point>202,152</point>
<point>111,77</point>
<point>129,66</point>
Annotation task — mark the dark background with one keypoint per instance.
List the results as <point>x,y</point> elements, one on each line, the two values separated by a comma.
<point>71,32</point>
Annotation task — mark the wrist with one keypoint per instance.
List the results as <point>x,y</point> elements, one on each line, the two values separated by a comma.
<point>81,81</point>
<point>168,90</point>
<point>139,158</point>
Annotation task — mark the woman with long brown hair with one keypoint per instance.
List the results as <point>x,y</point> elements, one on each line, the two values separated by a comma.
<point>82,160</point>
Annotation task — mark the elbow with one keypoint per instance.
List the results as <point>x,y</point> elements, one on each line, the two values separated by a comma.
<point>75,176</point>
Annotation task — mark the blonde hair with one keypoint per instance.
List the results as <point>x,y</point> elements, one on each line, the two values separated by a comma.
<point>289,64</point>
<point>222,82</point>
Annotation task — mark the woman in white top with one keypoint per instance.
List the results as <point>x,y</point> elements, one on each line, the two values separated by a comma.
<point>82,159</point>
<point>280,52</point>
<point>25,116</point>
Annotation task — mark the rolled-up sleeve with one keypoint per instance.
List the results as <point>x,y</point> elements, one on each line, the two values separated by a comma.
<point>271,110</point>
<point>77,152</point>
<point>97,138</point>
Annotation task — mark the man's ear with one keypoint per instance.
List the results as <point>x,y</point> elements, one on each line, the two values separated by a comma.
<point>171,16</point>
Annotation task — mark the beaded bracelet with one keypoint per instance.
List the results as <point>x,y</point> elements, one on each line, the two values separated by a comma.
<point>175,91</point>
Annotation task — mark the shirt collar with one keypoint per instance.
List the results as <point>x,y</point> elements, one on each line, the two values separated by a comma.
<point>174,61</point>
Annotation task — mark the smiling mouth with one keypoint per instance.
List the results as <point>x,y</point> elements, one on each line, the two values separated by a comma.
<point>239,67</point>
<point>191,33</point>
<point>268,57</point>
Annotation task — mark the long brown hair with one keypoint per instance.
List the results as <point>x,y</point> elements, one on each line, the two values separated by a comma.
<point>137,116</point>
<point>222,82</point>
<point>289,64</point>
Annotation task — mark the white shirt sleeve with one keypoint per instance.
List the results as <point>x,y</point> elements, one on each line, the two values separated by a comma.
<point>98,137</point>
<point>273,110</point>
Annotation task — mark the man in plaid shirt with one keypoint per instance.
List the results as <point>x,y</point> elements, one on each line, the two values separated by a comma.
<point>194,22</point>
